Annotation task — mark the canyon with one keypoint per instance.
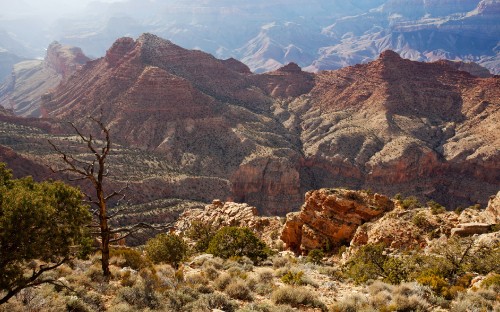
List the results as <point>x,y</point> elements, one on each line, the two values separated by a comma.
<point>187,125</point>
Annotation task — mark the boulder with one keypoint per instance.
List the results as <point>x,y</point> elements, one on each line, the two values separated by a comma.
<point>330,217</point>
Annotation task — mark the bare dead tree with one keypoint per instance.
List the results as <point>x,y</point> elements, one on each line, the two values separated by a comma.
<point>96,172</point>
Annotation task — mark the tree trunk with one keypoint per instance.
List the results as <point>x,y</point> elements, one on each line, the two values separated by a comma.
<point>105,251</point>
<point>103,222</point>
<point>9,295</point>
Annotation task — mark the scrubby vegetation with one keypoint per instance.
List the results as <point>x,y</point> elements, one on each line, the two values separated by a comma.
<point>231,269</point>
<point>203,282</point>
<point>167,248</point>
<point>237,242</point>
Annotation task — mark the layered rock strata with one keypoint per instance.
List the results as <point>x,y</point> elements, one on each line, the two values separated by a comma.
<point>392,125</point>
<point>30,80</point>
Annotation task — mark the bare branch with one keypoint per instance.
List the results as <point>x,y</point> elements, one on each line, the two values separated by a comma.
<point>118,193</point>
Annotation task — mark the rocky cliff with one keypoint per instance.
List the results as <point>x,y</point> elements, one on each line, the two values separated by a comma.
<point>205,116</point>
<point>30,80</point>
<point>330,217</point>
<point>217,130</point>
<point>393,123</point>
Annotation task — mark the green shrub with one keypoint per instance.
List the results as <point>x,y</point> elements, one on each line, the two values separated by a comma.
<point>179,299</point>
<point>77,305</point>
<point>367,263</point>
<point>141,295</point>
<point>210,272</point>
<point>315,256</point>
<point>371,262</point>
<point>464,280</point>
<point>411,202</point>
<point>213,301</point>
<point>222,281</point>
<point>202,234</point>
<point>474,301</point>
<point>333,273</point>
<point>266,276</point>
<point>436,208</point>
<point>132,257</point>
<point>236,241</point>
<point>237,289</point>
<point>396,270</point>
<point>279,262</point>
<point>491,281</point>
<point>437,283</point>
<point>420,220</point>
<point>168,248</point>
<point>293,278</point>
<point>266,307</point>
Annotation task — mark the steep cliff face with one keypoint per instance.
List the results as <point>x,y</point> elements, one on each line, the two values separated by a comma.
<point>65,60</point>
<point>30,80</point>
<point>330,217</point>
<point>398,124</point>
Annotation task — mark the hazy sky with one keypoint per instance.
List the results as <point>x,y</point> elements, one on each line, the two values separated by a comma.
<point>42,8</point>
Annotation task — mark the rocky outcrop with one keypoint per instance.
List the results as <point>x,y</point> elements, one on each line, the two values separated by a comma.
<point>30,80</point>
<point>469,229</point>
<point>287,81</point>
<point>221,214</point>
<point>65,60</point>
<point>475,221</point>
<point>403,229</point>
<point>330,217</point>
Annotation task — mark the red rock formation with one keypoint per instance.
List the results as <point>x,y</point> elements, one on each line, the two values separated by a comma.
<point>398,124</point>
<point>200,113</point>
<point>287,81</point>
<point>330,217</point>
<point>22,166</point>
<point>65,60</point>
<point>392,125</point>
<point>30,80</point>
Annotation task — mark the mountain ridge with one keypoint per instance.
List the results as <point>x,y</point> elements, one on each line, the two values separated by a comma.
<point>324,36</point>
<point>392,125</point>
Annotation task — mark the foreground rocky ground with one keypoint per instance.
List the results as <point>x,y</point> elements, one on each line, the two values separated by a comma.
<point>429,260</point>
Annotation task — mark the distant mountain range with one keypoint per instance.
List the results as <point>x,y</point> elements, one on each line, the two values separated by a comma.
<point>265,35</point>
